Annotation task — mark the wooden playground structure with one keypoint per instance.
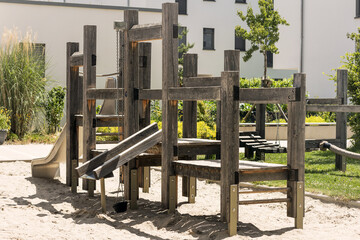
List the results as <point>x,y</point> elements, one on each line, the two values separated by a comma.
<point>177,157</point>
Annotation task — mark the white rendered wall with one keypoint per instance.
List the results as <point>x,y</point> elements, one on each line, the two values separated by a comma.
<point>56,25</point>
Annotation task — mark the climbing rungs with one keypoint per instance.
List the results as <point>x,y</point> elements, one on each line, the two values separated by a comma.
<point>267,190</point>
<point>263,201</point>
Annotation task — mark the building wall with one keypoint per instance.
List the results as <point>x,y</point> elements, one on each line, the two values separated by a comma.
<point>326,23</point>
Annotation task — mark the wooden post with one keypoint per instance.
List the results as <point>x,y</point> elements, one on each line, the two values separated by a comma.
<point>260,122</point>
<point>89,108</point>
<point>74,180</point>
<point>103,195</point>
<point>234,209</point>
<point>296,148</point>
<point>172,194</point>
<point>190,120</point>
<point>169,108</point>
<point>299,222</point>
<point>134,189</point>
<point>229,138</point>
<point>144,105</point>
<point>341,118</point>
<point>72,104</point>
<point>131,116</point>
<point>231,63</point>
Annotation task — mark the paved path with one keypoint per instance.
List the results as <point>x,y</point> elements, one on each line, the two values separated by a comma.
<point>24,152</point>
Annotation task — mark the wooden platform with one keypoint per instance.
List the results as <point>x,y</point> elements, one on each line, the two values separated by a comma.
<point>248,171</point>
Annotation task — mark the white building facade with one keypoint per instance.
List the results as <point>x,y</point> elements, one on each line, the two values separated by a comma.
<point>213,22</point>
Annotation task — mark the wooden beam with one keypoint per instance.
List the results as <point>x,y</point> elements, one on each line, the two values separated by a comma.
<point>131,81</point>
<point>341,117</point>
<point>202,81</point>
<point>264,201</point>
<point>127,155</point>
<point>103,195</point>
<point>106,93</point>
<point>150,94</point>
<point>323,101</point>
<point>119,148</point>
<point>263,175</point>
<point>267,95</point>
<point>229,138</point>
<point>72,107</point>
<point>89,108</point>
<point>300,205</point>
<point>169,108</point>
<point>234,209</point>
<point>296,141</point>
<point>120,25</point>
<point>145,32</point>
<point>192,170</point>
<point>134,189</point>
<point>194,93</point>
<point>190,69</point>
<point>333,108</point>
<point>77,60</point>
<point>172,194</point>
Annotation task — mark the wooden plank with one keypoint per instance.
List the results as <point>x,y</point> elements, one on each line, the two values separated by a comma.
<point>333,108</point>
<point>119,148</point>
<point>192,170</point>
<point>89,107</point>
<point>145,32</point>
<point>267,190</point>
<point>341,118</point>
<point>127,155</point>
<point>172,194</point>
<point>169,108</point>
<point>229,138</point>
<point>72,107</point>
<point>144,68</point>
<point>147,160</point>
<point>77,60</point>
<point>323,101</point>
<point>190,69</point>
<point>106,93</point>
<point>194,93</point>
<point>120,25</point>
<point>267,95</point>
<point>296,140</point>
<point>234,209</point>
<point>150,94</point>
<point>202,81</point>
<point>74,180</point>
<point>264,201</point>
<point>191,150</point>
<point>131,81</point>
<point>263,175</point>
<point>232,60</point>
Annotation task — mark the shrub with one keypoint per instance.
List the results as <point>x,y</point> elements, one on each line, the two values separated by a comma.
<point>4,119</point>
<point>54,108</point>
<point>22,82</point>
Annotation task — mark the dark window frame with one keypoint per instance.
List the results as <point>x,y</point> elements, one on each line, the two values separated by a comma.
<point>212,43</point>
<point>209,0</point>
<point>182,6</point>
<point>357,9</point>
<point>240,43</point>
<point>241,1</point>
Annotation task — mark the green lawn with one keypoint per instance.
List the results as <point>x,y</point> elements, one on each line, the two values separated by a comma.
<point>321,176</point>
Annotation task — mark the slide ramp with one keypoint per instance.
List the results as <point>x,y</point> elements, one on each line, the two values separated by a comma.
<point>105,163</point>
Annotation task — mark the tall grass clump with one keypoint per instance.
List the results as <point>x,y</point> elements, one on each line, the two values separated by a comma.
<point>22,79</point>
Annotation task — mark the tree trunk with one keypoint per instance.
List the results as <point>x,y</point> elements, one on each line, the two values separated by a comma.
<point>265,65</point>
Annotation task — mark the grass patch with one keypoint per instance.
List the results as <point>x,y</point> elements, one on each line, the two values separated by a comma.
<point>41,138</point>
<point>321,176</point>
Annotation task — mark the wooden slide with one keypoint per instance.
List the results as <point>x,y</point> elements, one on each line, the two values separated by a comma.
<point>103,164</point>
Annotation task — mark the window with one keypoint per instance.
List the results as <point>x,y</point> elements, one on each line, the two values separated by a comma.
<point>357,13</point>
<point>182,6</point>
<point>208,39</point>
<point>239,43</point>
<point>209,0</point>
<point>270,59</point>
<point>240,1</point>
<point>182,40</point>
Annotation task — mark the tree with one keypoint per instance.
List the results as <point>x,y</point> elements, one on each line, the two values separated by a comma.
<point>263,30</point>
<point>351,62</point>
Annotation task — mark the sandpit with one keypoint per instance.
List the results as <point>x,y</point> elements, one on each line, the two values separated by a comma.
<point>33,208</point>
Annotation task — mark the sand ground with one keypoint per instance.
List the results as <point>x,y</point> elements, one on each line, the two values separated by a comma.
<point>33,208</point>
